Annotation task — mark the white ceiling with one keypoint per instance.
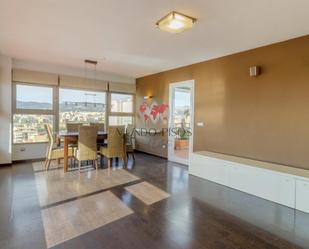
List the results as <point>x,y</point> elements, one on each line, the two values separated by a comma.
<point>122,35</point>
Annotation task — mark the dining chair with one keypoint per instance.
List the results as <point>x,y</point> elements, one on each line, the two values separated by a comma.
<point>130,141</point>
<point>100,126</point>
<point>73,127</point>
<point>53,151</point>
<point>121,128</point>
<point>115,145</point>
<point>87,146</point>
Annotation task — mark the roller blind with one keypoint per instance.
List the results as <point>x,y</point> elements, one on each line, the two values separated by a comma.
<point>122,87</point>
<point>27,76</point>
<point>82,83</point>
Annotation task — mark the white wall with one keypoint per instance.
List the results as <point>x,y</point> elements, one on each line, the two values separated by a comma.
<point>5,109</point>
<point>28,151</point>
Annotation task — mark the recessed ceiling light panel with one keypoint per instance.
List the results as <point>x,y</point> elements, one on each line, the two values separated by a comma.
<point>175,22</point>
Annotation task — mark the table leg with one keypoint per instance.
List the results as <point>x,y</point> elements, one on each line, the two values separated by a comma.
<point>66,153</point>
<point>125,155</point>
<point>58,144</point>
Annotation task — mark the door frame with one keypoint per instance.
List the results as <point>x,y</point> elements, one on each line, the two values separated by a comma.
<point>171,143</point>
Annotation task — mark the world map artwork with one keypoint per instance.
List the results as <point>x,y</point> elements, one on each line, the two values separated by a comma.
<point>153,112</point>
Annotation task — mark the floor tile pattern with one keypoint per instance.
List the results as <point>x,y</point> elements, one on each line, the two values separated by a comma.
<point>66,221</point>
<point>147,193</point>
<point>55,186</point>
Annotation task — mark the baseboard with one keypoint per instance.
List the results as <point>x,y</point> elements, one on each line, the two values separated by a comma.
<point>6,164</point>
<point>151,154</point>
<point>29,160</point>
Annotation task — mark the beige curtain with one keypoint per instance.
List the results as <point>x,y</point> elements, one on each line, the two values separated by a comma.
<point>82,83</point>
<point>27,76</point>
<point>122,87</point>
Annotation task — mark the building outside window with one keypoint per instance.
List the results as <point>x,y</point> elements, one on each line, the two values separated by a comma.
<point>81,106</point>
<point>33,107</point>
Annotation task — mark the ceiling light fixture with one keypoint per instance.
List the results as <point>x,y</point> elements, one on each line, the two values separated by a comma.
<point>175,22</point>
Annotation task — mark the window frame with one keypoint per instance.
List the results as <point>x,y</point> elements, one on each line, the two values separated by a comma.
<point>121,114</point>
<point>19,111</point>
<point>82,89</point>
<point>55,106</point>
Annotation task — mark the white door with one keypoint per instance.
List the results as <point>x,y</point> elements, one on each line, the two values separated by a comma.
<point>181,120</point>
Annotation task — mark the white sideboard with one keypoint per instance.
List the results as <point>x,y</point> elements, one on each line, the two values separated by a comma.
<point>278,183</point>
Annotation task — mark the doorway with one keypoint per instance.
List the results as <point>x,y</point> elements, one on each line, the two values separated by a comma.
<point>181,120</point>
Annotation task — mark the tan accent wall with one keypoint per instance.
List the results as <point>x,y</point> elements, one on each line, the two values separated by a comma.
<point>264,118</point>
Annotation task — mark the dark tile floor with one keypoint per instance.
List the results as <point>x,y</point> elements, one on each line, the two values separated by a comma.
<point>198,214</point>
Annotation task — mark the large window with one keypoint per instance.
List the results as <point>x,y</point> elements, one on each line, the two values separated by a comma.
<point>81,106</point>
<point>121,109</point>
<point>117,120</point>
<point>121,103</point>
<point>37,104</point>
<point>34,97</point>
<point>32,108</point>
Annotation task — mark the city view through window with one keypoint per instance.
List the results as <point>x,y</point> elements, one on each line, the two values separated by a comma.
<point>80,106</point>
<point>27,126</point>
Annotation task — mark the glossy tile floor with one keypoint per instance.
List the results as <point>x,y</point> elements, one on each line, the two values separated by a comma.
<point>194,213</point>
<point>184,154</point>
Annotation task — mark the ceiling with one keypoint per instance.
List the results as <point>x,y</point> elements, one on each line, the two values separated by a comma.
<point>122,35</point>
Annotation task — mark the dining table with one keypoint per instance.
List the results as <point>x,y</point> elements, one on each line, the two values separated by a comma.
<point>70,137</point>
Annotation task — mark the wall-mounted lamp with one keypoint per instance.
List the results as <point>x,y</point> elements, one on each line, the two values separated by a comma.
<point>148,97</point>
<point>255,71</point>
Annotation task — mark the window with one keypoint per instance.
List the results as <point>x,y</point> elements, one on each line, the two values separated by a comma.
<point>37,104</point>
<point>81,107</point>
<point>121,109</point>
<point>121,103</point>
<point>116,120</point>
<point>32,108</point>
<point>34,97</point>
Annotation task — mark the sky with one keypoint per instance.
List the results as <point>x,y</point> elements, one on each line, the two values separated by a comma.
<point>45,94</point>
<point>182,98</point>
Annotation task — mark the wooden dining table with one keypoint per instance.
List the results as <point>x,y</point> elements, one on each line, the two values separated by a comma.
<point>68,137</point>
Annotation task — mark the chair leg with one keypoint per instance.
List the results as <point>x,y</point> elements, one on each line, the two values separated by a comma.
<point>47,163</point>
<point>96,164</point>
<point>79,165</point>
<point>133,156</point>
<point>108,163</point>
<point>123,162</point>
<point>102,161</point>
